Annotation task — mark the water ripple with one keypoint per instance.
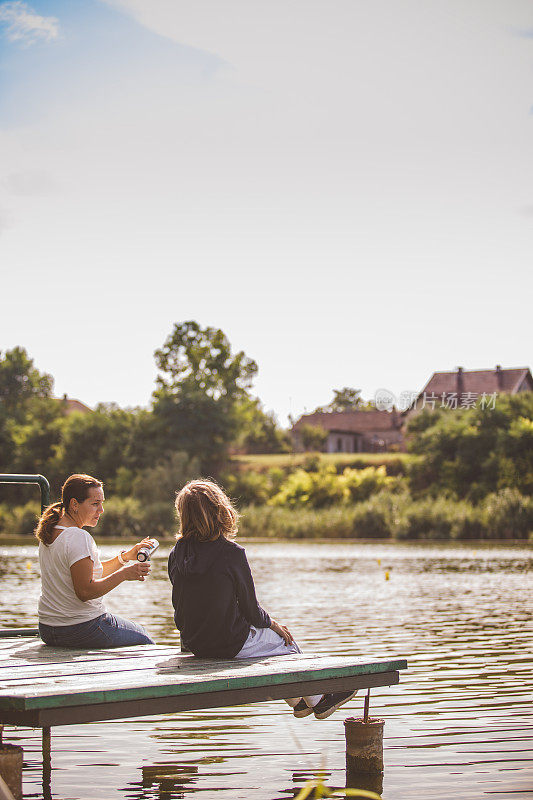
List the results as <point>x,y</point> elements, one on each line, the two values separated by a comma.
<point>458,724</point>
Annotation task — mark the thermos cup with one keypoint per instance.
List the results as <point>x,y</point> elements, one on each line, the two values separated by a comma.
<point>145,553</point>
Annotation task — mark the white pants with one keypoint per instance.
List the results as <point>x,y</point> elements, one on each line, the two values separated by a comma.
<point>263,642</point>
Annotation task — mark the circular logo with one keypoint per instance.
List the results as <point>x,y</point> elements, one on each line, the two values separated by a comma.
<point>384,400</point>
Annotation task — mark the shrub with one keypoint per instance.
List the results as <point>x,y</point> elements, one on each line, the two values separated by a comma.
<point>437,518</point>
<point>316,489</point>
<point>19,520</point>
<point>425,519</point>
<point>122,517</point>
<point>312,437</point>
<point>467,521</point>
<point>301,523</point>
<point>276,476</point>
<point>396,467</point>
<point>324,487</point>
<point>507,514</point>
<point>361,483</point>
<point>371,522</point>
<point>378,516</point>
<point>248,488</point>
<point>311,462</point>
<point>160,484</point>
<point>159,520</point>
<point>6,515</point>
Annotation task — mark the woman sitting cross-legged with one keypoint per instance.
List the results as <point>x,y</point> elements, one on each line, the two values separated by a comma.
<point>213,593</point>
<point>71,612</point>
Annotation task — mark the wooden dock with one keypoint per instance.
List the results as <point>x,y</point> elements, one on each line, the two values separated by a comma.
<point>43,686</point>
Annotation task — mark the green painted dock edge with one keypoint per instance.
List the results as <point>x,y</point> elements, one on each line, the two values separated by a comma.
<point>62,700</point>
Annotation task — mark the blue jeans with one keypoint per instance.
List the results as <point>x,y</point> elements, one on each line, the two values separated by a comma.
<point>102,632</point>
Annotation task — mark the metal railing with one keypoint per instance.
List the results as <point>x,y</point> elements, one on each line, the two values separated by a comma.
<point>40,480</point>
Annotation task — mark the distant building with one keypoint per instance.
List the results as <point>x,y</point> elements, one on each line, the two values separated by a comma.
<point>466,388</point>
<point>354,431</point>
<point>71,406</point>
<point>382,431</point>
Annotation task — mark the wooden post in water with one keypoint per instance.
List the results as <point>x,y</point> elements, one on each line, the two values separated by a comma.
<point>47,763</point>
<point>10,770</point>
<point>364,751</point>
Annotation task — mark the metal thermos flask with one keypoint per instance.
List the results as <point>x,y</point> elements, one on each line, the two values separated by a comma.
<point>145,553</point>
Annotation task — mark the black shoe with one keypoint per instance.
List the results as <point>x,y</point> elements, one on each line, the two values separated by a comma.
<point>301,709</point>
<point>331,702</point>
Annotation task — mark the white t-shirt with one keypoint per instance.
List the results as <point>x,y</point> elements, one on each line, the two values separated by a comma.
<point>58,603</point>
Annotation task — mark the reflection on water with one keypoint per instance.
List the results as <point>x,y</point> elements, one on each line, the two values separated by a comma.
<point>458,724</point>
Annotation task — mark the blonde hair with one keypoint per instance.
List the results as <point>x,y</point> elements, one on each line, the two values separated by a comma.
<point>205,512</point>
<point>76,487</point>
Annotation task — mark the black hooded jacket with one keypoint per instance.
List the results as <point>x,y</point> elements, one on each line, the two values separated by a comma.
<point>213,595</point>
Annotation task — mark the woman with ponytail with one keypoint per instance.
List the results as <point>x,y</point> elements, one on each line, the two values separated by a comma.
<point>71,612</point>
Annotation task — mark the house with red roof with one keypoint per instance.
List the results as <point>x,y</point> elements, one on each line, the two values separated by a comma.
<point>354,431</point>
<point>70,406</point>
<point>374,431</point>
<point>468,388</point>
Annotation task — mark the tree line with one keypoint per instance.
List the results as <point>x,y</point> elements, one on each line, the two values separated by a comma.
<point>470,466</point>
<point>201,406</point>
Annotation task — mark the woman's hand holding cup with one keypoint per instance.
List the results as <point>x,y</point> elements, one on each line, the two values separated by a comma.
<point>136,571</point>
<point>131,554</point>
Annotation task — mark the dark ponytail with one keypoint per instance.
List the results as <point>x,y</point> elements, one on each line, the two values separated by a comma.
<point>75,488</point>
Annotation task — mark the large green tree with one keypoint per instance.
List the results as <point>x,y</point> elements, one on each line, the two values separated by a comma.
<point>468,453</point>
<point>26,408</point>
<point>200,386</point>
<point>21,381</point>
<point>259,431</point>
<point>106,440</point>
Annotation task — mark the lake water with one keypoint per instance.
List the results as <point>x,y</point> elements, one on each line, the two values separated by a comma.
<point>458,725</point>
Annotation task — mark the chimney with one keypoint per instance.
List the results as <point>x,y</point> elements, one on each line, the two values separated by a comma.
<point>460,381</point>
<point>499,376</point>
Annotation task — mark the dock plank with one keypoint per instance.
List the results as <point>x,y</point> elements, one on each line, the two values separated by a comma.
<point>71,656</point>
<point>29,648</point>
<point>109,665</point>
<point>41,685</point>
<point>201,676</point>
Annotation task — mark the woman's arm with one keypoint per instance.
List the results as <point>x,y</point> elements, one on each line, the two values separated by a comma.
<point>249,606</point>
<point>89,588</point>
<point>113,564</point>
<point>246,597</point>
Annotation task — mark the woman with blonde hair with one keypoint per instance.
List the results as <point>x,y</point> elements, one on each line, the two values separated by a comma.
<point>71,612</point>
<point>213,592</point>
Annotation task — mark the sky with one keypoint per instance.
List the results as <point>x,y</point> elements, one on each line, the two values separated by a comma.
<point>344,187</point>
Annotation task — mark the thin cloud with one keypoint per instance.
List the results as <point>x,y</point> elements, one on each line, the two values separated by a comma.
<point>22,24</point>
<point>30,183</point>
<point>5,220</point>
<point>525,33</point>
